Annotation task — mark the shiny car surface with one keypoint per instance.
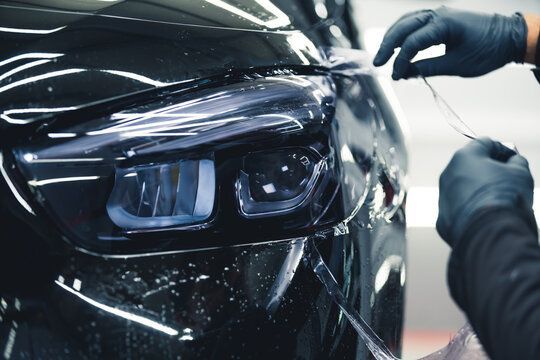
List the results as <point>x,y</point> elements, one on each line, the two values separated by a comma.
<point>166,166</point>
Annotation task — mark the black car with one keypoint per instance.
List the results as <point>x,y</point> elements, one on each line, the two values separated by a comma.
<point>169,167</point>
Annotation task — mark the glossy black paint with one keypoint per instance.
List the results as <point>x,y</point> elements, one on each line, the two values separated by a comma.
<point>248,301</point>
<point>121,55</point>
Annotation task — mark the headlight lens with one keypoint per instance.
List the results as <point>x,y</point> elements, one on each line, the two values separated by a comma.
<point>244,160</point>
<point>277,182</point>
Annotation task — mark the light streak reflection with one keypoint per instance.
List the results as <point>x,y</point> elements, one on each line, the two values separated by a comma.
<point>6,114</point>
<point>61,135</point>
<point>23,67</point>
<point>121,313</point>
<point>137,77</point>
<point>61,180</point>
<point>13,189</point>
<point>392,262</point>
<point>281,19</point>
<point>30,158</point>
<point>159,126</point>
<point>286,274</point>
<point>30,56</point>
<point>30,31</point>
<point>300,44</point>
<point>39,77</point>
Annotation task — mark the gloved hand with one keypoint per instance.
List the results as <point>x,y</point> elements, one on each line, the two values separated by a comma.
<point>481,175</point>
<point>476,43</point>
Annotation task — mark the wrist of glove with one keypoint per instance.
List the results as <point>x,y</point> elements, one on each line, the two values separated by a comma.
<point>476,43</point>
<point>484,174</point>
<point>516,28</point>
<point>457,270</point>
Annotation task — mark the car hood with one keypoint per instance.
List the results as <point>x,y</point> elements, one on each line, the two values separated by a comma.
<point>266,15</point>
<point>59,56</point>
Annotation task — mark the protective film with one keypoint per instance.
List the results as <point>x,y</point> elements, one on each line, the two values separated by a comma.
<point>350,62</point>
<point>353,63</point>
<point>464,345</point>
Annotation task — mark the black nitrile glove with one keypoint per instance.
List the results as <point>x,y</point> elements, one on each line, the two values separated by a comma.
<point>476,43</point>
<point>484,174</point>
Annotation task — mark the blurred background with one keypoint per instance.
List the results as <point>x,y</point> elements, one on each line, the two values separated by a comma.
<point>502,105</point>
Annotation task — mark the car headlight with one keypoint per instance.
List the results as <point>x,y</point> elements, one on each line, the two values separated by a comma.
<point>247,157</point>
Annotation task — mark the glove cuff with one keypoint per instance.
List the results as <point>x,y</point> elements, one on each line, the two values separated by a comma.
<point>518,35</point>
<point>536,71</point>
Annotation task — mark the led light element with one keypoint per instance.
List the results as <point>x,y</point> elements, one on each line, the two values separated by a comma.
<point>163,195</point>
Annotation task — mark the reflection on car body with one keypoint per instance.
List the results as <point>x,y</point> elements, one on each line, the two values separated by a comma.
<point>164,167</point>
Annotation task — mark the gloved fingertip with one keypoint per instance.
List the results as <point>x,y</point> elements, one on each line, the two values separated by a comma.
<point>400,68</point>
<point>396,74</point>
<point>377,59</point>
<point>412,72</point>
<point>382,56</point>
